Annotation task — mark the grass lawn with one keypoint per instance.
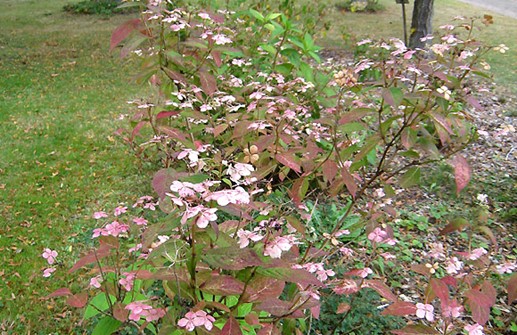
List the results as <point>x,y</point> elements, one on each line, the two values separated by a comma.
<point>61,93</point>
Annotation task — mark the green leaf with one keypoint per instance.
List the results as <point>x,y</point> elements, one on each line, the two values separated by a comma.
<point>268,48</point>
<point>256,15</point>
<point>106,326</point>
<point>98,303</point>
<point>411,177</point>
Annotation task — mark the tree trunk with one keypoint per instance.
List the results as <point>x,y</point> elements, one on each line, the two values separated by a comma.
<point>421,23</point>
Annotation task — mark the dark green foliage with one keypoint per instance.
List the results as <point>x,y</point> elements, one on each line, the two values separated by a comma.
<point>364,318</point>
<point>362,6</point>
<point>98,7</point>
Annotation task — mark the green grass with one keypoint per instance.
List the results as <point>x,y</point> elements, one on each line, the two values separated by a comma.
<point>388,23</point>
<point>60,94</point>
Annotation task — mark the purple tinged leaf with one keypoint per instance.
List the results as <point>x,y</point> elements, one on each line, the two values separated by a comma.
<point>222,285</point>
<point>512,289</point>
<point>208,82</point>
<point>440,289</point>
<point>123,31</point>
<point>416,330</point>
<point>78,300</point>
<point>400,308</point>
<point>231,327</point>
<point>462,172</point>
<point>60,292</point>
<point>455,224</point>
<point>288,160</point>
<point>381,288</point>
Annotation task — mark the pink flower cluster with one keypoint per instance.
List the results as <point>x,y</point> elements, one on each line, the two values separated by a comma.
<point>113,229</point>
<point>381,236</point>
<point>318,269</point>
<point>275,247</point>
<point>50,256</point>
<point>196,319</point>
<point>139,309</point>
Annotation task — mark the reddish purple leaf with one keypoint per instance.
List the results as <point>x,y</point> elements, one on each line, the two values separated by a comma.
<point>440,289</point>
<point>512,289</point>
<point>208,82</point>
<point>462,172</point>
<point>329,169</point>
<point>60,292</point>
<point>262,288</point>
<point>217,58</point>
<point>123,31</point>
<point>163,179</point>
<point>342,308</point>
<point>346,286</point>
<point>400,308</point>
<point>275,307</point>
<point>78,300</point>
<point>381,288</point>
<point>222,285</point>
<point>176,76</point>
<point>480,302</point>
<point>354,115</point>
<point>474,103</point>
<point>119,312</point>
<point>92,257</point>
<point>269,329</point>
<point>137,128</point>
<point>421,269</point>
<point>164,114</point>
<point>231,327</point>
<point>416,330</point>
<point>174,133</point>
<point>350,184</point>
<point>231,258</point>
<point>450,280</point>
<point>288,160</point>
<point>453,225</point>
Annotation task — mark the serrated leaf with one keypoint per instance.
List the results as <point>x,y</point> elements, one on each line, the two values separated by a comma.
<point>289,160</point>
<point>60,292</point>
<point>512,288</point>
<point>78,300</point>
<point>208,82</point>
<point>393,96</point>
<point>462,172</point>
<point>122,32</point>
<point>416,330</point>
<point>223,285</point>
<point>411,177</point>
<point>300,276</point>
<point>456,224</point>
<point>93,257</point>
<point>230,258</point>
<point>381,288</point>
<point>275,307</point>
<point>231,327</point>
<point>440,289</point>
<point>120,312</point>
<point>262,288</point>
<point>269,329</point>
<point>342,308</point>
<point>163,179</point>
<point>400,308</point>
<point>354,115</point>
